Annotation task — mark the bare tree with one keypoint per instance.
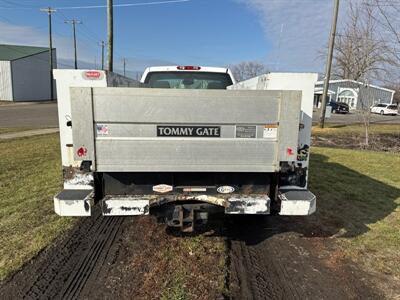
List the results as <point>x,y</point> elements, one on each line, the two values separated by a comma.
<point>387,17</point>
<point>364,51</point>
<point>248,69</point>
<point>360,52</point>
<point>364,112</point>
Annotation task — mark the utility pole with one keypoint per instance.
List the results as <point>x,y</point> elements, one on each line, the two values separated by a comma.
<point>110,34</point>
<point>124,62</point>
<point>74,22</point>
<point>329,62</point>
<point>49,11</point>
<point>102,44</point>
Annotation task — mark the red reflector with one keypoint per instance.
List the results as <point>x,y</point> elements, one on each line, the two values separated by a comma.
<point>82,151</point>
<point>195,68</point>
<point>93,74</point>
<point>290,151</point>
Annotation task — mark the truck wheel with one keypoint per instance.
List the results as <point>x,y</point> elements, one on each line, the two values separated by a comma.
<point>382,112</point>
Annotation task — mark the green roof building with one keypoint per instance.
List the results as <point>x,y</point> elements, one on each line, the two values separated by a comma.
<point>25,73</point>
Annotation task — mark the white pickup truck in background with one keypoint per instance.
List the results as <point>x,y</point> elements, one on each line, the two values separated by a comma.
<point>184,144</point>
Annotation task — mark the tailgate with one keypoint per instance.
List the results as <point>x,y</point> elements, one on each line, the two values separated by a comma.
<point>166,130</point>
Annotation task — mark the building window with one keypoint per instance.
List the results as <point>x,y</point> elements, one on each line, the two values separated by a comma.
<point>349,97</point>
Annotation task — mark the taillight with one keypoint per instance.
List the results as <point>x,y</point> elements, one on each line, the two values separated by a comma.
<point>82,151</point>
<point>290,151</point>
<point>190,68</point>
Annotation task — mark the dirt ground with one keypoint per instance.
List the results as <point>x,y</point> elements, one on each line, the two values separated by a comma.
<point>244,258</point>
<point>377,142</point>
<point>123,258</point>
<point>285,258</point>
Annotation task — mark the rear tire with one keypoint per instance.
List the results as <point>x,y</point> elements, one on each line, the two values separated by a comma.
<point>382,113</point>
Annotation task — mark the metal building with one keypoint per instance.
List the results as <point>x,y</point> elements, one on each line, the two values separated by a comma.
<point>356,94</point>
<point>25,73</point>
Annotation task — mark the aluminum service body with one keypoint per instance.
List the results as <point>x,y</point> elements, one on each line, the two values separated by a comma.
<point>262,125</point>
<point>304,82</point>
<point>64,80</point>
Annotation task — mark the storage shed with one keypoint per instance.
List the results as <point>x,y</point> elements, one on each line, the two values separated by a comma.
<point>25,73</point>
<point>356,94</point>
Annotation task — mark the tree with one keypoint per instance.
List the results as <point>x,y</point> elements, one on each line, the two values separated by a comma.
<point>364,52</point>
<point>360,51</point>
<point>387,17</point>
<point>248,69</point>
<point>365,114</point>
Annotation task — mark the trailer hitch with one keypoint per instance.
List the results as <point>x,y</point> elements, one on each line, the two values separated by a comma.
<point>185,218</point>
<point>188,216</point>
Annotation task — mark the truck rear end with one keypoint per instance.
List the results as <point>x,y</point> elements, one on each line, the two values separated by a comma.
<point>184,154</point>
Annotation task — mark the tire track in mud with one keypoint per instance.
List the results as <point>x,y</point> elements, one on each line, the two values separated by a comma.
<point>102,243</point>
<point>62,270</point>
<point>255,277</point>
<point>269,259</point>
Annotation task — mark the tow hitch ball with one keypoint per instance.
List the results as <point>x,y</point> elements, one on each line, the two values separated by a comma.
<point>186,218</point>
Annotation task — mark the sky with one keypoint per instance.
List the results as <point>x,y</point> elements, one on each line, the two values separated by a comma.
<point>285,35</point>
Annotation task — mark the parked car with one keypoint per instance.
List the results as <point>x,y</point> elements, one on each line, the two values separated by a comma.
<point>384,109</point>
<point>339,107</point>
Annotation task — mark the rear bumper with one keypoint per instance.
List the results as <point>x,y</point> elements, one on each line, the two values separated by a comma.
<point>73,203</point>
<point>296,202</point>
<point>142,204</point>
<point>293,202</point>
<point>79,203</point>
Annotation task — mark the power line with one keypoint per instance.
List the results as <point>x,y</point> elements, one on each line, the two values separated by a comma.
<point>74,22</point>
<point>110,34</point>
<point>124,65</point>
<point>124,5</point>
<point>18,6</point>
<point>102,44</point>
<point>50,11</point>
<point>329,62</point>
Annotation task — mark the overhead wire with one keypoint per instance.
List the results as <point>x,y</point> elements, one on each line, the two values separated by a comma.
<point>19,6</point>
<point>84,30</point>
<point>124,4</point>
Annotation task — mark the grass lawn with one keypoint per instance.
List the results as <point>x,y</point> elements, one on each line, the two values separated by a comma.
<point>30,174</point>
<point>359,201</point>
<point>13,129</point>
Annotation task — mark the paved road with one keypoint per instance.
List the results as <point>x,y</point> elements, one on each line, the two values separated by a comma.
<point>32,115</point>
<point>356,118</point>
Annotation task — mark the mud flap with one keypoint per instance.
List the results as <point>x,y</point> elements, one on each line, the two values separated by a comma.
<point>251,205</point>
<point>73,203</point>
<point>295,202</point>
<point>124,206</point>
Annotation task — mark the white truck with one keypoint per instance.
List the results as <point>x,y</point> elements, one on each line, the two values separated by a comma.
<point>185,143</point>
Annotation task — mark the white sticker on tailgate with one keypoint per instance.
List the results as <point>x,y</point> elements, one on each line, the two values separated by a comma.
<point>270,131</point>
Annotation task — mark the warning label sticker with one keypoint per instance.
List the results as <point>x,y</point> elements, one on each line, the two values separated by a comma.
<point>246,132</point>
<point>270,131</point>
